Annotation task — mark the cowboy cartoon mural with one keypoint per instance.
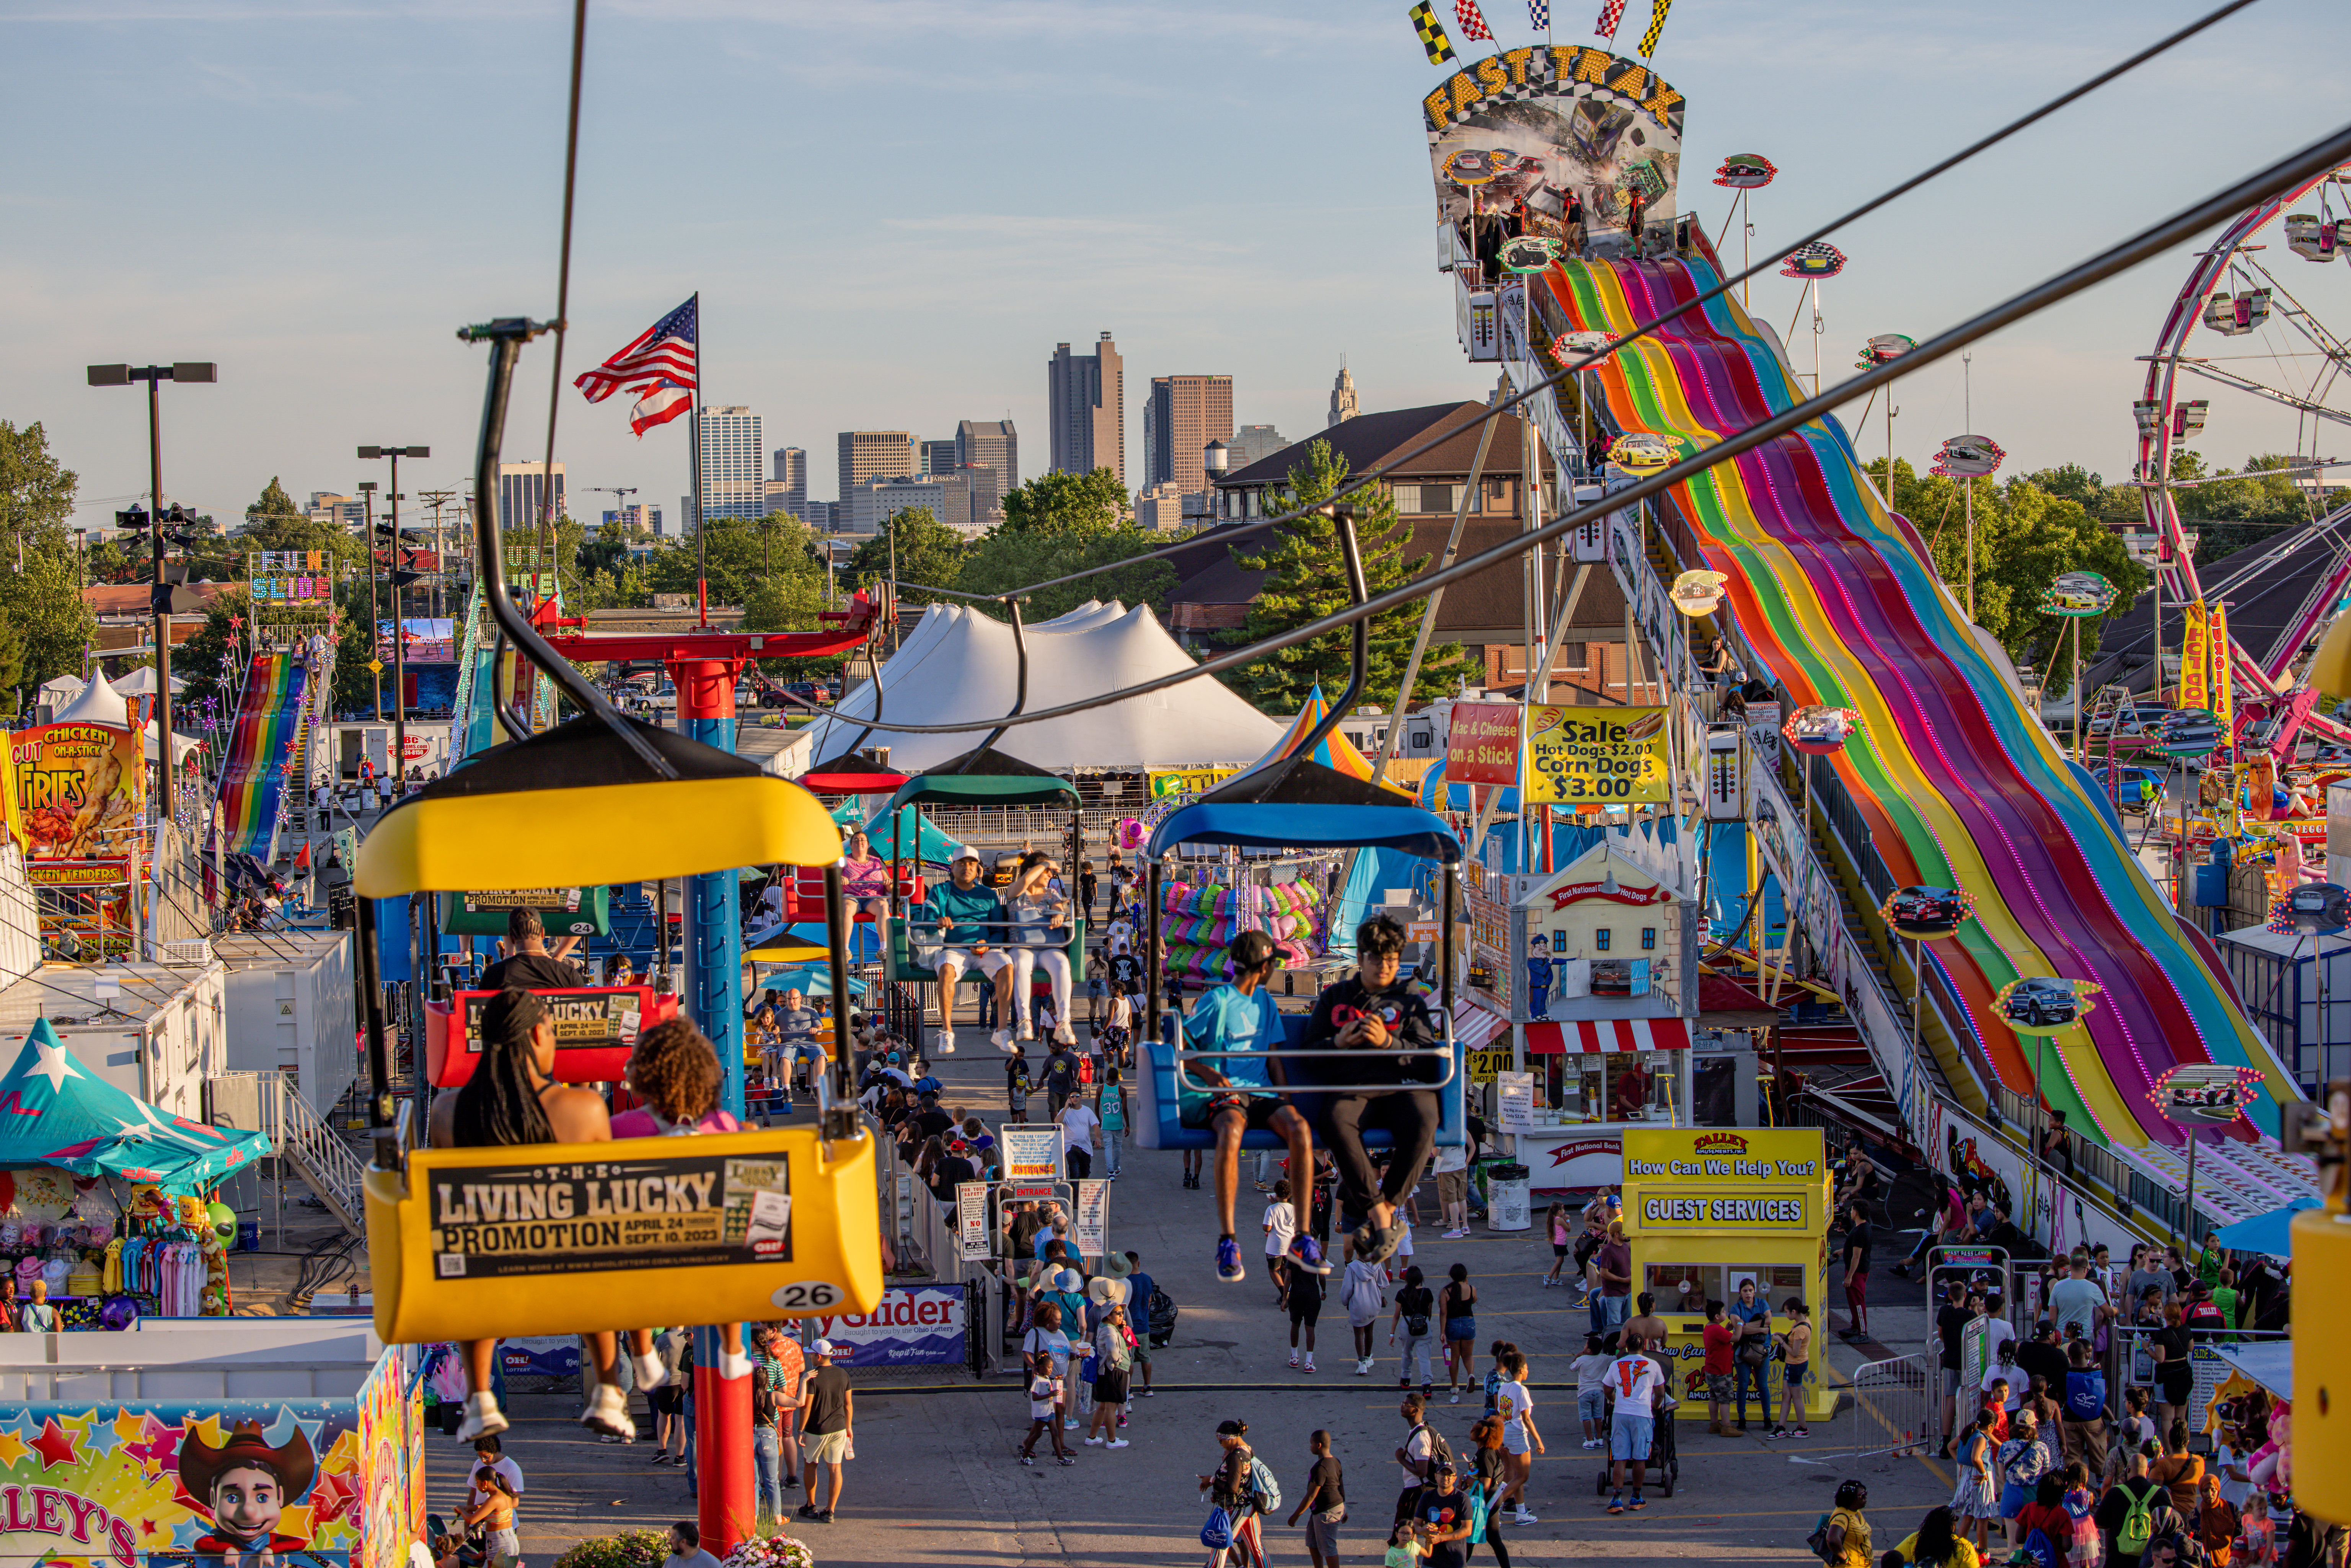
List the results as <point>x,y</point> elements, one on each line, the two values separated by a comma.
<point>244,1486</point>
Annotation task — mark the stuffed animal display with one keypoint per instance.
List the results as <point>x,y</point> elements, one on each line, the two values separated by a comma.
<point>1200,920</point>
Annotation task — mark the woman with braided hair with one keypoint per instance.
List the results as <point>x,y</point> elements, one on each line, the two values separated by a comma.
<point>513,1098</point>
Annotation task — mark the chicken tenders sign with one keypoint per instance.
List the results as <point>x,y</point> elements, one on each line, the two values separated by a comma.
<point>75,782</point>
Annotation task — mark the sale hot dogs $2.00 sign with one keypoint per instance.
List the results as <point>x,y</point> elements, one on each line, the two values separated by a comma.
<point>1586,756</point>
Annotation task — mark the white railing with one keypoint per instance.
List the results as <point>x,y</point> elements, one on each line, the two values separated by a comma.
<point>332,1170</point>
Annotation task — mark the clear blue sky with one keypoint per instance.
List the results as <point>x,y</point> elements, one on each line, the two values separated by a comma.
<point>895,209</point>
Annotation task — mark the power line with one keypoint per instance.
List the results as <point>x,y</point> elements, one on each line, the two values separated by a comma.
<point>2314,159</point>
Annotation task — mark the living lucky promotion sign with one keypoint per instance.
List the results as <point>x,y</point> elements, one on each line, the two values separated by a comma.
<point>1588,756</point>
<point>660,1209</point>
<point>1482,744</point>
<point>914,1325</point>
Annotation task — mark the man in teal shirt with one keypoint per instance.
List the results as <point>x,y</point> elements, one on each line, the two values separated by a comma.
<point>968,921</point>
<point>1241,1017</point>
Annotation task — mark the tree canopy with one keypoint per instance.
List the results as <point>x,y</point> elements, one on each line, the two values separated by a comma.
<point>925,548</point>
<point>47,626</point>
<point>1057,524</point>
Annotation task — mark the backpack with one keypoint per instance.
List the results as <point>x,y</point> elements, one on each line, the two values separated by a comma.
<point>1438,1448</point>
<point>1162,1316</point>
<point>1265,1492</point>
<point>1416,1323</point>
<point>2040,1550</point>
<point>2138,1528</point>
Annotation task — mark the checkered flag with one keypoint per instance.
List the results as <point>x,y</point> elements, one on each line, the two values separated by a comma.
<point>1656,25</point>
<point>1432,34</point>
<point>1539,15</point>
<point>1472,20</point>
<point>1612,16</point>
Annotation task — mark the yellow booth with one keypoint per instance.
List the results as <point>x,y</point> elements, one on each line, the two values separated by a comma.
<point>1708,1208</point>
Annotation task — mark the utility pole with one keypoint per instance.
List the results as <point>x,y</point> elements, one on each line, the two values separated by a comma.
<point>401,579</point>
<point>436,499</point>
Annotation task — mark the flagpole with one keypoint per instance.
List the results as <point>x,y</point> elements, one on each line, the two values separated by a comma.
<point>701,558</point>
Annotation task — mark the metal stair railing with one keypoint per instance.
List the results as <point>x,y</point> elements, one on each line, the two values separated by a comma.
<point>332,1170</point>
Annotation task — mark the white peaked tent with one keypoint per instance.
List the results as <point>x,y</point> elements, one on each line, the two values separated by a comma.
<point>958,667</point>
<point>99,702</point>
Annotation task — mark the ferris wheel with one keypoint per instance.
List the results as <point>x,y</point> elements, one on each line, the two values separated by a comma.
<point>2248,334</point>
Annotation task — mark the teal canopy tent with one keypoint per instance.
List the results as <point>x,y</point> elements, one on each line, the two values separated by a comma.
<point>65,1116</point>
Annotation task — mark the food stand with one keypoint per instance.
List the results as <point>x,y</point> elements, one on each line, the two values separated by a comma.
<point>1707,1208</point>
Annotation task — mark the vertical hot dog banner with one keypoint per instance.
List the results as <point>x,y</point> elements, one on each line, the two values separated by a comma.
<point>1592,755</point>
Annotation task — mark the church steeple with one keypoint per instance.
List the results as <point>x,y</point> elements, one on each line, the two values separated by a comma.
<point>1343,395</point>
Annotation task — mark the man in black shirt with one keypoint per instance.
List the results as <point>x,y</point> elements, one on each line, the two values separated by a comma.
<point>2114,1508</point>
<point>1372,1009</point>
<point>827,1414</point>
<point>1059,1077</point>
<point>2004,1233</point>
<point>2041,1356</point>
<point>930,1122</point>
<point>1857,1243</point>
<point>1326,1498</point>
<point>1951,1318</point>
<point>529,967</point>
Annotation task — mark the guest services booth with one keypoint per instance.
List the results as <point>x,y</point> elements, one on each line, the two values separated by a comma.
<point>1708,1208</point>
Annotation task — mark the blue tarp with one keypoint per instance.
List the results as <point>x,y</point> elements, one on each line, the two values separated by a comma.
<point>65,1117</point>
<point>924,841</point>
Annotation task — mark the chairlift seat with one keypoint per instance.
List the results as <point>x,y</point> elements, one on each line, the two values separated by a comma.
<point>1157,1115</point>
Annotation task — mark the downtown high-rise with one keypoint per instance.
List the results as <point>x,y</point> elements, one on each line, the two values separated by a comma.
<point>1085,397</point>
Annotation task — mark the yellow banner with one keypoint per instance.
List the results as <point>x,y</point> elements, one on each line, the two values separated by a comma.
<point>2194,660</point>
<point>1779,1155</point>
<point>1168,782</point>
<point>1585,755</point>
<point>2217,639</point>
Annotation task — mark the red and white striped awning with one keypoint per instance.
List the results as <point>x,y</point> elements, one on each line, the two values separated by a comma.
<point>1474,1027</point>
<point>1595,1037</point>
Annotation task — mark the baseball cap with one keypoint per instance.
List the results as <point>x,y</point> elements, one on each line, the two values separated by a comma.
<point>963,852</point>
<point>1251,948</point>
<point>822,1347</point>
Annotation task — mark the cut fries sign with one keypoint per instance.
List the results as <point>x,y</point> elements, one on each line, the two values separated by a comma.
<point>1586,756</point>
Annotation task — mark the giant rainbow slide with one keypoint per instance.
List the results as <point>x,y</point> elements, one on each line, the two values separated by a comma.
<point>266,736</point>
<point>1960,785</point>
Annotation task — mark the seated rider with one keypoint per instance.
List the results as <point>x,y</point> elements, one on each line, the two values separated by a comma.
<point>1039,939</point>
<point>1241,1017</point>
<point>513,1098</point>
<point>864,878</point>
<point>1372,1009</point>
<point>969,930</point>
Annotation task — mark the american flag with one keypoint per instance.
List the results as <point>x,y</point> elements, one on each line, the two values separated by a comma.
<point>658,367</point>
<point>1472,20</point>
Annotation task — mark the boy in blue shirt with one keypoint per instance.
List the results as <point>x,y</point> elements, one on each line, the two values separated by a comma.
<point>1242,1018</point>
<point>970,932</point>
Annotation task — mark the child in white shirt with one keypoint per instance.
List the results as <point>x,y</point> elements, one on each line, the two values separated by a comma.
<point>1280,1230</point>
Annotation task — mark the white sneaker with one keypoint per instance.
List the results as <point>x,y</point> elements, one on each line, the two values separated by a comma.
<point>945,1038</point>
<point>733,1364</point>
<point>1120,1443</point>
<point>1065,1034</point>
<point>1028,1031</point>
<point>1523,1517</point>
<point>1003,1038</point>
<point>1093,1442</point>
<point>483,1417</point>
<point>652,1371</point>
<point>608,1413</point>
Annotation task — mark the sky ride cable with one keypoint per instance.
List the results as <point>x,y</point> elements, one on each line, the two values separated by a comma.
<point>2324,153</point>
<point>2082,90</point>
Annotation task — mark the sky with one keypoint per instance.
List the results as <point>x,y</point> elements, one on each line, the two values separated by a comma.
<point>893,209</point>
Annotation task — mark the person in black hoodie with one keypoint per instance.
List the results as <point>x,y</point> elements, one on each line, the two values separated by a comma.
<point>1372,1009</point>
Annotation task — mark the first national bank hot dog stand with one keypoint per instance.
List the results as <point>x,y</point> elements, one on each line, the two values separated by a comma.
<point>1707,1208</point>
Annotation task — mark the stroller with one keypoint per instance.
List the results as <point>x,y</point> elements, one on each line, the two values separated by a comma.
<point>1665,1465</point>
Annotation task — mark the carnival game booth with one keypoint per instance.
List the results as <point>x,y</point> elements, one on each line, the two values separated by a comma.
<point>1708,1208</point>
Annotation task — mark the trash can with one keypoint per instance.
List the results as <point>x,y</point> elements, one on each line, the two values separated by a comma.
<point>1506,1199</point>
<point>248,1236</point>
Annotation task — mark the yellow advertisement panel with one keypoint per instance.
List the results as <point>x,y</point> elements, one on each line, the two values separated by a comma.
<point>76,784</point>
<point>1586,756</point>
<point>1169,782</point>
<point>2224,688</point>
<point>2195,657</point>
<point>1791,1156</point>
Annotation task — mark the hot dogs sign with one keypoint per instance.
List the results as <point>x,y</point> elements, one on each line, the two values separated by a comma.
<point>1589,756</point>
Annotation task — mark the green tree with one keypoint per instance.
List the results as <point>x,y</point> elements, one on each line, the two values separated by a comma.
<point>1059,524</point>
<point>1306,579</point>
<point>740,552</point>
<point>11,666</point>
<point>208,660</point>
<point>1088,504</point>
<point>926,550</point>
<point>42,607</point>
<point>35,492</point>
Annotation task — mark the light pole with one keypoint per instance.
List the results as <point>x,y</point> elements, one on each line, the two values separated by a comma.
<point>159,595</point>
<point>400,580</point>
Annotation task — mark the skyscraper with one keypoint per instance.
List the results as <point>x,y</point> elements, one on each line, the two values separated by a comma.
<point>1253,444</point>
<point>522,491</point>
<point>940,457</point>
<point>1086,395</point>
<point>791,471</point>
<point>731,483</point>
<point>993,443</point>
<point>1187,412</point>
<point>1342,397</point>
<point>876,455</point>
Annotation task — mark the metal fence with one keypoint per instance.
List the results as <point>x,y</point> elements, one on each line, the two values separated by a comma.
<point>1896,1407</point>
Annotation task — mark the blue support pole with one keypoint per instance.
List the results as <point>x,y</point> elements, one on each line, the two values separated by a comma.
<point>713,927</point>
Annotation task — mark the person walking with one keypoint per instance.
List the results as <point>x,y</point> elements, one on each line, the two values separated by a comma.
<point>1281,1227</point>
<point>1305,1302</point>
<point>1364,1291</point>
<point>1634,1379</point>
<point>1078,1124</point>
<point>1111,1112</point>
<point>1848,1528</point>
<point>1795,1371</point>
<point>1489,1480</point>
<point>1229,1487</point>
<point>1323,1503</point>
<point>1521,1442</point>
<point>1045,1408</point>
<point>1975,1500</point>
<point>828,1415</point>
<point>1559,1228</point>
<point>1017,1085</point>
<point>1459,1314</point>
<point>1416,1306</point>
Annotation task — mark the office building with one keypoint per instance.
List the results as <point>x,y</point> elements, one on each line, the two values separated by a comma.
<point>634,520</point>
<point>1159,508</point>
<point>1085,396</point>
<point>1185,414</point>
<point>937,456</point>
<point>337,511</point>
<point>1252,443</point>
<point>792,473</point>
<point>824,516</point>
<point>1342,397</point>
<point>991,443</point>
<point>874,503</point>
<point>869,455</point>
<point>522,493</point>
<point>732,458</point>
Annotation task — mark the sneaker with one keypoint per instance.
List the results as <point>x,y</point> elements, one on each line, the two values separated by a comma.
<point>1306,1253</point>
<point>1523,1517</point>
<point>1456,1235</point>
<point>808,1510</point>
<point>1093,1442</point>
<point>946,1043</point>
<point>661,1456</point>
<point>1065,1458</point>
<point>733,1364</point>
<point>483,1417</point>
<point>1637,1503</point>
<point>1025,1458</point>
<point>608,1414</point>
<point>1069,1422</point>
<point>1617,1503</point>
<point>791,1483</point>
<point>1120,1443</point>
<point>1803,1432</point>
<point>1066,1035</point>
<point>824,1515</point>
<point>1003,1038</point>
<point>1229,1261</point>
<point>1308,1366</point>
<point>1147,1394</point>
<point>1589,1444</point>
<point>1457,1397</point>
<point>651,1370</point>
<point>1293,1361</point>
<point>1364,1367</point>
